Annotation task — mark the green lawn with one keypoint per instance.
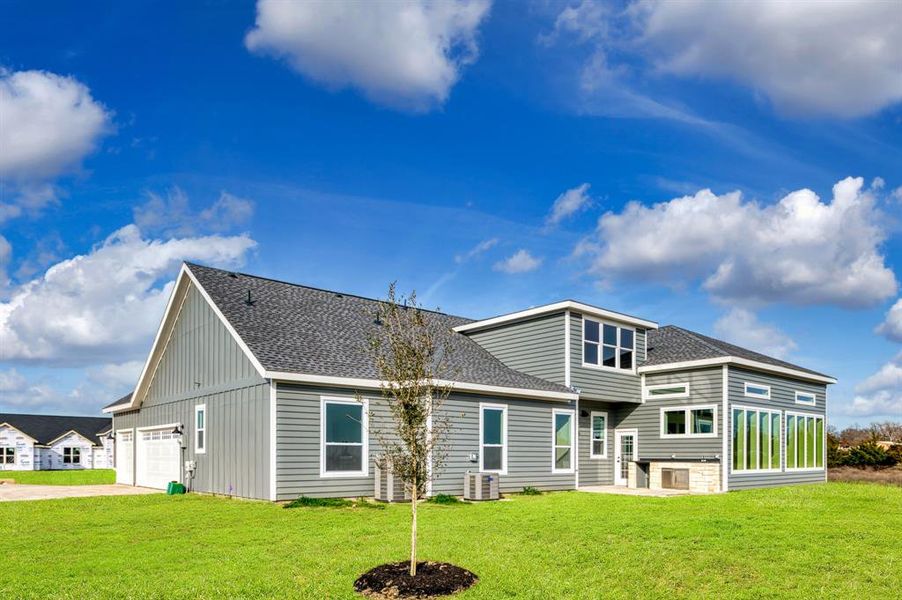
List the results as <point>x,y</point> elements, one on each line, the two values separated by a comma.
<point>834,540</point>
<point>83,477</point>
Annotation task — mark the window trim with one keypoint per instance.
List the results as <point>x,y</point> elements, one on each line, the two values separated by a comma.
<point>364,472</point>
<point>805,403</point>
<point>749,394</point>
<point>4,454</point>
<point>72,458</point>
<point>554,413</point>
<point>616,368</point>
<point>781,444</point>
<point>687,410</point>
<point>604,439</point>
<point>197,448</point>
<point>659,386</point>
<point>504,437</point>
<point>823,417</point>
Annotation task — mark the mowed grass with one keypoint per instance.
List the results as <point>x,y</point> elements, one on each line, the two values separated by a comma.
<point>833,540</point>
<point>73,477</point>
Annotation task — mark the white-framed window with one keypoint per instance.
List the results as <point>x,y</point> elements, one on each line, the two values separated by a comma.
<point>71,456</point>
<point>344,447</point>
<point>757,390</point>
<point>607,345</point>
<point>806,398</point>
<point>804,442</point>
<point>7,455</point>
<point>756,439</point>
<point>493,438</point>
<point>562,441</point>
<point>599,434</point>
<point>662,391</point>
<point>693,421</point>
<point>200,429</point>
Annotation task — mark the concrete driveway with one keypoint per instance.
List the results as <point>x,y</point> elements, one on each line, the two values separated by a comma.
<point>10,492</point>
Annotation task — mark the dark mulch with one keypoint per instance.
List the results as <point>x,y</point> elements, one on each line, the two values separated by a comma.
<point>392,580</point>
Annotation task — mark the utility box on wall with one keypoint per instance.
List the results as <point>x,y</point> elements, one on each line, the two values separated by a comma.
<point>481,486</point>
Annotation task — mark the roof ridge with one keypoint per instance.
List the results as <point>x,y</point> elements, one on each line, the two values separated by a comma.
<point>58,416</point>
<point>700,338</point>
<point>318,289</point>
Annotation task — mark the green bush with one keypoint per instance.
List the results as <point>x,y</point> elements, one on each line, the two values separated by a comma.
<point>444,499</point>
<point>306,502</point>
<point>531,491</point>
<point>869,454</point>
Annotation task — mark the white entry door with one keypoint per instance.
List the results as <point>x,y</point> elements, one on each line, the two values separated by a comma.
<point>159,453</point>
<point>626,449</point>
<point>125,457</point>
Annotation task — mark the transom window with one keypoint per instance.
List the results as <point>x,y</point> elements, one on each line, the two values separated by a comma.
<point>7,455</point>
<point>756,439</point>
<point>804,441</point>
<point>607,345</point>
<point>806,398</point>
<point>344,451</point>
<point>757,390</point>
<point>493,437</point>
<point>599,438</point>
<point>562,441</point>
<point>71,456</point>
<point>689,421</point>
<point>667,390</point>
<point>200,428</point>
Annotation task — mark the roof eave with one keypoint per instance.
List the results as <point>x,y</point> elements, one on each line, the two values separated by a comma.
<point>739,362</point>
<point>553,308</point>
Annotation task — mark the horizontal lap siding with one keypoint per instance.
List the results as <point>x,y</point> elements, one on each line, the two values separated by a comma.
<point>602,384</point>
<point>705,387</point>
<point>783,399</point>
<point>534,347</point>
<point>298,439</point>
<point>595,471</point>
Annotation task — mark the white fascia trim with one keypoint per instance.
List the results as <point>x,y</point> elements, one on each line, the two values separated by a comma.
<point>115,408</point>
<point>20,431</point>
<point>355,382</point>
<point>59,437</point>
<point>155,427</point>
<point>739,362</point>
<point>556,307</point>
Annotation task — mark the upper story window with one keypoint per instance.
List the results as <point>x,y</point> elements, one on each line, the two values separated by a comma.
<point>757,390</point>
<point>606,345</point>
<point>667,390</point>
<point>806,398</point>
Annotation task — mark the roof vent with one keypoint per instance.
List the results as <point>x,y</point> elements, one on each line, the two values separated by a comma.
<point>233,275</point>
<point>339,296</point>
<point>378,319</point>
<point>249,301</point>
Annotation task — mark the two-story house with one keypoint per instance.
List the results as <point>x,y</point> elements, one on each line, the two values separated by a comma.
<point>251,389</point>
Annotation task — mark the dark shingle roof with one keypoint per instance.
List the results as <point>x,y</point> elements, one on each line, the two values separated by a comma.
<point>123,400</point>
<point>46,428</point>
<point>297,329</point>
<point>671,344</point>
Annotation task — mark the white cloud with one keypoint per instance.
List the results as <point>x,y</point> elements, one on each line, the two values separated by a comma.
<point>520,262</point>
<point>892,325</point>
<point>50,124</point>
<point>40,393</point>
<point>105,305</point>
<point>568,204</point>
<point>406,54</point>
<point>172,215</point>
<point>742,327</point>
<point>798,250</point>
<point>880,394</point>
<point>477,250</point>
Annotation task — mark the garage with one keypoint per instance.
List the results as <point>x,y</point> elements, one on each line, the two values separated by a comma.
<point>125,457</point>
<point>158,457</point>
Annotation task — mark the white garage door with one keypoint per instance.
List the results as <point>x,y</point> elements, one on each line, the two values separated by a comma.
<point>159,454</point>
<point>125,457</point>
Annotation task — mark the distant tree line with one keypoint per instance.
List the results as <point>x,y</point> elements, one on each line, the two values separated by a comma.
<point>865,446</point>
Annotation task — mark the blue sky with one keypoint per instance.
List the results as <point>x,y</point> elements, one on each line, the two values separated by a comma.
<point>490,156</point>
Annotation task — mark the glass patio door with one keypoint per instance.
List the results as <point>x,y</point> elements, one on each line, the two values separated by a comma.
<point>625,451</point>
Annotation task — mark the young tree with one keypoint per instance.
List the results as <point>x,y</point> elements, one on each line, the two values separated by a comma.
<point>411,357</point>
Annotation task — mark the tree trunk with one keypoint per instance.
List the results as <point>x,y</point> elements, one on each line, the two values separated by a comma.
<point>413,529</point>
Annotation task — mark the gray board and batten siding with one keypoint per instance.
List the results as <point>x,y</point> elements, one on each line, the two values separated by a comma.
<point>203,364</point>
<point>782,398</point>
<point>299,442</point>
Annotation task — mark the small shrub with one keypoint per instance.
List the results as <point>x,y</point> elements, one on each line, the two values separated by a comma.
<point>365,503</point>
<point>531,491</point>
<point>306,502</point>
<point>444,499</point>
<point>869,454</point>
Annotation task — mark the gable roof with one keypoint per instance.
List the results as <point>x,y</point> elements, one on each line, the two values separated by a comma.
<point>545,309</point>
<point>124,401</point>
<point>45,429</point>
<point>671,345</point>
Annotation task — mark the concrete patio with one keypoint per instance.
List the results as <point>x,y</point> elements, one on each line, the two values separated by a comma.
<point>625,491</point>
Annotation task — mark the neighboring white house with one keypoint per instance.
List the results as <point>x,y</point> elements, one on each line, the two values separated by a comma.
<point>47,442</point>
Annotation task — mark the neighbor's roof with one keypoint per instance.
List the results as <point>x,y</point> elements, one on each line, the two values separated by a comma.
<point>671,344</point>
<point>46,428</point>
<point>292,328</point>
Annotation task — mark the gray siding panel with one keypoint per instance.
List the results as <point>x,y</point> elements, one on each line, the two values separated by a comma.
<point>601,384</point>
<point>298,439</point>
<point>595,471</point>
<point>705,387</point>
<point>534,347</point>
<point>236,462</point>
<point>783,399</point>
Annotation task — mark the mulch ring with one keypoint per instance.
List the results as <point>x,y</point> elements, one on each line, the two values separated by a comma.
<point>392,580</point>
